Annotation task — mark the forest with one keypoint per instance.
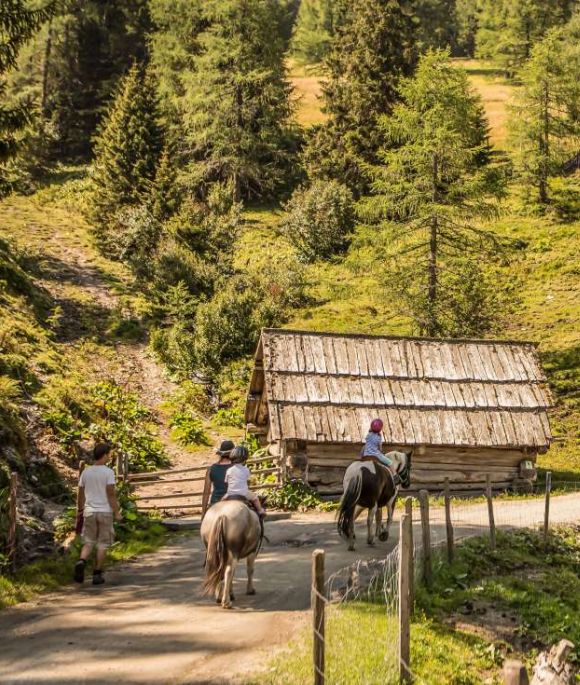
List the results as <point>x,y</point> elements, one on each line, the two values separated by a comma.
<point>220,166</point>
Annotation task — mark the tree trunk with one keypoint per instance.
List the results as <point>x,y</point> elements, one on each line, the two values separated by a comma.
<point>432,327</point>
<point>545,149</point>
<point>46,68</point>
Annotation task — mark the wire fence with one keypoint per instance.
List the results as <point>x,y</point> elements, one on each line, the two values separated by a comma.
<point>375,598</point>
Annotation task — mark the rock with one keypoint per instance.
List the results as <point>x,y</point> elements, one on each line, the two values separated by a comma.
<point>551,667</point>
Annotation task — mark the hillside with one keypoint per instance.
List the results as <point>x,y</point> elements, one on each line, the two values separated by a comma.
<point>73,319</point>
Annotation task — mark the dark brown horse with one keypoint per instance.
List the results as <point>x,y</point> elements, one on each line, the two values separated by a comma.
<point>370,485</point>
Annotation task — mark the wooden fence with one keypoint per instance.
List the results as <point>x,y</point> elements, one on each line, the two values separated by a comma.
<point>195,492</point>
<point>415,563</point>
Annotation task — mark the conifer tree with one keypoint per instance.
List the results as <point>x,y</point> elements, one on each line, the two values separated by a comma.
<point>127,149</point>
<point>374,47</point>
<point>508,29</point>
<point>432,187</point>
<point>545,120</point>
<point>237,104</point>
<point>315,26</point>
<point>18,23</point>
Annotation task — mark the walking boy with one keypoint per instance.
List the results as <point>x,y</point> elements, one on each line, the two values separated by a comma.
<point>97,502</point>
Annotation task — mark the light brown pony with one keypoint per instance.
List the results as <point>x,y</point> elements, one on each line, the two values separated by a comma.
<point>230,531</point>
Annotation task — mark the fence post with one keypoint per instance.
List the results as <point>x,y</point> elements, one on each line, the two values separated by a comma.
<point>409,512</point>
<point>125,467</point>
<point>514,673</point>
<point>448,523</point>
<point>547,505</point>
<point>12,521</point>
<point>318,605</point>
<point>405,551</point>
<point>426,536</point>
<point>492,542</point>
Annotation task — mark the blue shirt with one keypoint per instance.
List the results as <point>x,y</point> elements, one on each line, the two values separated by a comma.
<point>373,445</point>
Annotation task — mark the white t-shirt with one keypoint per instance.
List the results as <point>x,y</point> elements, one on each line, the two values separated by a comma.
<point>237,477</point>
<point>94,479</point>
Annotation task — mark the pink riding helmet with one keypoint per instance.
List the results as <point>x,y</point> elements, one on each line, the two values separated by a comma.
<point>376,426</point>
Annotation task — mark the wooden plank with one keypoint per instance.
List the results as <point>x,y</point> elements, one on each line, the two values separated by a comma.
<point>361,355</point>
<point>530,362</point>
<point>327,418</point>
<point>407,354</point>
<point>311,427</point>
<point>522,370</point>
<point>375,366</point>
<point>353,365</point>
<point>415,348</point>
<point>509,362</point>
<point>498,369</point>
<point>329,357</point>
<point>174,495</point>
<point>451,371</point>
<point>408,423</point>
<point>341,356</point>
<point>300,423</point>
<point>457,356</point>
<point>484,372</point>
<point>405,553</point>
<point>383,352</point>
<point>155,474</point>
<point>318,354</point>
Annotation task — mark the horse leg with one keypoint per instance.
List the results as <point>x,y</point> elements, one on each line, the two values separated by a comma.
<point>390,510</point>
<point>228,582</point>
<point>370,522</point>
<point>218,592</point>
<point>251,590</point>
<point>382,534</point>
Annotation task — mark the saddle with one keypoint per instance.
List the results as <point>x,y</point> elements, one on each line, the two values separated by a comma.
<point>394,476</point>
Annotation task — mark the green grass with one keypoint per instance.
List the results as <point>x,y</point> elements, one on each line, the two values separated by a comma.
<point>54,572</point>
<point>537,586</point>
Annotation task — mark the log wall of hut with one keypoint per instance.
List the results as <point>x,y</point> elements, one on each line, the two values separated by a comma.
<point>323,466</point>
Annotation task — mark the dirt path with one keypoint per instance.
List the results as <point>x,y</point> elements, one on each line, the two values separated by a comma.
<point>150,624</point>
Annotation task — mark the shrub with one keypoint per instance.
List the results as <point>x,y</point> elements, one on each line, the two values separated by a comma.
<point>320,220</point>
<point>187,428</point>
<point>295,495</point>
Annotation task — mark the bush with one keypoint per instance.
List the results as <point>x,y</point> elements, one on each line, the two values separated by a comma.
<point>187,428</point>
<point>295,495</point>
<point>320,220</point>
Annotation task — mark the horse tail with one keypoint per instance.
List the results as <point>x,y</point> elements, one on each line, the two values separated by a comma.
<point>217,555</point>
<point>348,504</point>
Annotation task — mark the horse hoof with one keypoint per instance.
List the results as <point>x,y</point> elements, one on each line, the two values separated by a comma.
<point>371,543</point>
<point>351,548</point>
<point>251,592</point>
<point>227,606</point>
<point>383,537</point>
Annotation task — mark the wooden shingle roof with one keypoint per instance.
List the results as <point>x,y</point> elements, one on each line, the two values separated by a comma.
<point>327,388</point>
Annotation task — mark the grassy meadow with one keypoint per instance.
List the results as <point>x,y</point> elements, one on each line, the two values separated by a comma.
<point>486,606</point>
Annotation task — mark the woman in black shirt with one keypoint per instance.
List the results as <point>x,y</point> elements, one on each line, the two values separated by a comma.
<point>216,476</point>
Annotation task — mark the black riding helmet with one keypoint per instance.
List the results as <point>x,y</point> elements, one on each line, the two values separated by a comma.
<point>239,454</point>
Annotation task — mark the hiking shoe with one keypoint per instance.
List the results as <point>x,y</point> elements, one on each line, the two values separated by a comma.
<point>79,574</point>
<point>98,578</point>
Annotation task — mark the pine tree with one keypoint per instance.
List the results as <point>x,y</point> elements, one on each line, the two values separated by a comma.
<point>18,24</point>
<point>432,186</point>
<point>373,48</point>
<point>71,68</point>
<point>508,29</point>
<point>437,23</point>
<point>126,152</point>
<point>314,29</point>
<point>237,108</point>
<point>545,118</point>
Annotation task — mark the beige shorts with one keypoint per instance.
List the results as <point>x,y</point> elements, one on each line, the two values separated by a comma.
<point>98,530</point>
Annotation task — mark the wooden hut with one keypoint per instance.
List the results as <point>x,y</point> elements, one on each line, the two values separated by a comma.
<point>468,408</point>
